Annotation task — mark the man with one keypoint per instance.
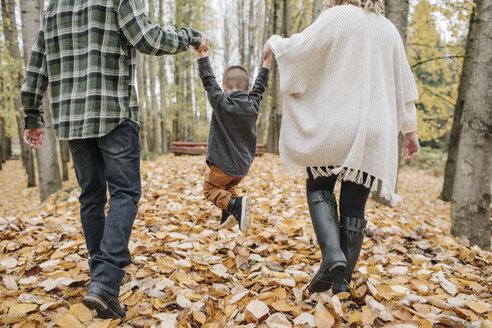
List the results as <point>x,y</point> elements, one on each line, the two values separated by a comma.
<point>85,52</point>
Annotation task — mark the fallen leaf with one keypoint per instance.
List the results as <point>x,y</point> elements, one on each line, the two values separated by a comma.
<point>322,317</point>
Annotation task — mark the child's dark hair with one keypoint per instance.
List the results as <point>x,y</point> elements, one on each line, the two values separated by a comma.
<point>236,77</point>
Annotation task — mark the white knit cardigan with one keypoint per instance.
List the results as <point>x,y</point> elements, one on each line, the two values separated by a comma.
<point>347,92</point>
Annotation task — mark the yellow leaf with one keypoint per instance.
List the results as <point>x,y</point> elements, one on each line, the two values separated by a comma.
<point>68,320</point>
<point>22,308</point>
<point>355,317</point>
<point>368,315</point>
<point>323,318</point>
<point>103,324</point>
<point>81,312</point>
<point>199,317</point>
<point>477,307</point>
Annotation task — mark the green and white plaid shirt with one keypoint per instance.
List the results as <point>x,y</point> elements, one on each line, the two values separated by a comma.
<point>85,52</point>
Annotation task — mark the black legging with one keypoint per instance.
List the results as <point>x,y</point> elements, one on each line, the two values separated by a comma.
<point>353,196</point>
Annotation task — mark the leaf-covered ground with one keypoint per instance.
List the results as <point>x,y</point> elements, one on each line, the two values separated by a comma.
<point>186,273</point>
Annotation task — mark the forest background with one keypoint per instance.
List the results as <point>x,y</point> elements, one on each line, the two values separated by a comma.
<point>173,104</point>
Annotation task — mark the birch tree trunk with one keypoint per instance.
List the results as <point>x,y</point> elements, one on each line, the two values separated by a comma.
<point>275,116</point>
<point>317,7</point>
<point>47,159</point>
<point>241,32</point>
<point>227,41</point>
<point>397,12</point>
<point>156,145</point>
<point>162,88</point>
<point>10,31</point>
<point>263,117</point>
<point>470,209</point>
<point>141,105</point>
<point>454,138</point>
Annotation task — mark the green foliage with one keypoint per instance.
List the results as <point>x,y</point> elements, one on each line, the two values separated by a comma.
<point>9,76</point>
<point>429,159</point>
<point>436,60</point>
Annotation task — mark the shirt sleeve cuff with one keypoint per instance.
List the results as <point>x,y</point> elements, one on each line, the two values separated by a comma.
<point>410,122</point>
<point>203,62</point>
<point>195,37</point>
<point>33,121</point>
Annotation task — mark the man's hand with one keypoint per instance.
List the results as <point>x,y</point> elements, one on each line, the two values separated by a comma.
<point>204,45</point>
<point>34,138</point>
<point>202,53</point>
<point>411,146</point>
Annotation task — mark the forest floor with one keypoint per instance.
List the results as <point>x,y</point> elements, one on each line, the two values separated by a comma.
<point>186,273</point>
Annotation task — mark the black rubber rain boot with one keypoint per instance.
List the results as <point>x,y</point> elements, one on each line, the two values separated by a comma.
<point>323,209</point>
<point>352,232</point>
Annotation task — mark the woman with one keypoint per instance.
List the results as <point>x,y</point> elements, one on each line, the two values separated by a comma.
<point>348,91</point>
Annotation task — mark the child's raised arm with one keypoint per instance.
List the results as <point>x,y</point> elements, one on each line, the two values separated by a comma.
<point>214,91</point>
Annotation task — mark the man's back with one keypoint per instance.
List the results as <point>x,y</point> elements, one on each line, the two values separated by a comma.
<point>86,50</point>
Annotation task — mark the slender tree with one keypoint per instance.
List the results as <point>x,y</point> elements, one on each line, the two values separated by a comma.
<point>454,138</point>
<point>47,159</point>
<point>141,102</point>
<point>10,31</point>
<point>397,12</point>
<point>162,89</point>
<point>263,118</point>
<point>274,116</point>
<point>317,7</point>
<point>470,210</point>
<point>65,158</point>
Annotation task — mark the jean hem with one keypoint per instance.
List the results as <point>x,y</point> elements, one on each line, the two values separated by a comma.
<point>106,288</point>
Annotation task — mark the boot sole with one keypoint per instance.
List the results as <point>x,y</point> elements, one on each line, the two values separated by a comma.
<point>228,223</point>
<point>103,310</point>
<point>246,214</point>
<point>324,281</point>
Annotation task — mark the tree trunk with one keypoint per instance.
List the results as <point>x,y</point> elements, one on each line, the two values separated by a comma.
<point>397,12</point>
<point>241,32</point>
<point>251,39</point>
<point>65,158</point>
<point>156,145</point>
<point>287,19</point>
<point>145,103</point>
<point>3,142</point>
<point>163,114</point>
<point>263,117</point>
<point>275,116</point>
<point>10,31</point>
<point>141,105</point>
<point>317,7</point>
<point>454,137</point>
<point>47,159</point>
<point>48,169</point>
<point>227,36</point>
<point>470,209</point>
<point>162,88</point>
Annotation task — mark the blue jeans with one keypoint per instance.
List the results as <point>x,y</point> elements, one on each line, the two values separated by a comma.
<point>109,162</point>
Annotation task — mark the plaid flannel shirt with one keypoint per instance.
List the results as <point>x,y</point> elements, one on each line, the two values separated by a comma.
<point>85,52</point>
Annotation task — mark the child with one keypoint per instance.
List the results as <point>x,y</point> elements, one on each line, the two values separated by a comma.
<point>232,139</point>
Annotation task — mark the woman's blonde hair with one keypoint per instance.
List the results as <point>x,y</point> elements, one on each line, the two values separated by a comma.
<point>375,6</point>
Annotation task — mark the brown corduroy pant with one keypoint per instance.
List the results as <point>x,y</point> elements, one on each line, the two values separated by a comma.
<point>219,187</point>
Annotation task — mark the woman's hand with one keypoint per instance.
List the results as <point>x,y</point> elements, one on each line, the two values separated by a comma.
<point>267,52</point>
<point>411,146</point>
